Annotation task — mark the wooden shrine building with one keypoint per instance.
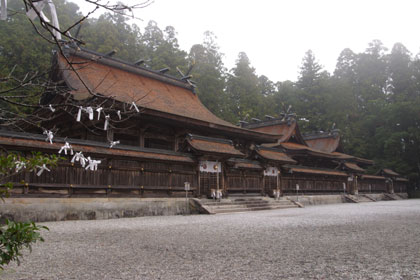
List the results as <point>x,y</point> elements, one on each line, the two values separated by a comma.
<point>152,134</point>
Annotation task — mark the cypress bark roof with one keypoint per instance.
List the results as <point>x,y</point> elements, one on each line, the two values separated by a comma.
<point>244,164</point>
<point>353,167</point>
<point>325,144</point>
<point>155,93</point>
<point>212,145</point>
<point>311,170</point>
<point>389,172</point>
<point>274,154</point>
<point>373,177</point>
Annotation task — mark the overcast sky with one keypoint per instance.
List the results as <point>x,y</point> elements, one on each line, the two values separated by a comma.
<point>276,34</point>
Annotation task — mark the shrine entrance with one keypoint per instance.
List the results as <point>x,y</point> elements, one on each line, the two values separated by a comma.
<point>210,179</point>
<point>271,181</point>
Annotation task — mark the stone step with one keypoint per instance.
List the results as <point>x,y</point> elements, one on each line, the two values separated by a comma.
<point>362,198</point>
<point>245,209</point>
<point>389,196</point>
<point>234,205</point>
<point>402,195</point>
<point>370,197</point>
<point>228,202</point>
<point>250,202</point>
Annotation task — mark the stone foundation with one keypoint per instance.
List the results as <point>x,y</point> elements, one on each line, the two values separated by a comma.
<point>59,209</point>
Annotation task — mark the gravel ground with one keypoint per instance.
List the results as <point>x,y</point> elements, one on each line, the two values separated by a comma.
<point>378,240</point>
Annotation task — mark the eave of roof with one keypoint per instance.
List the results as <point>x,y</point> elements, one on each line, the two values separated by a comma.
<point>364,161</point>
<point>353,167</point>
<point>157,94</point>
<point>373,177</point>
<point>400,179</point>
<point>390,172</point>
<point>274,154</point>
<point>37,141</point>
<point>325,144</point>
<point>245,164</point>
<point>316,171</point>
<point>212,145</point>
<point>342,156</point>
<point>293,147</point>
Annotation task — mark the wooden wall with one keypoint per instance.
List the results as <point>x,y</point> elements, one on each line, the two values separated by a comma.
<point>372,186</point>
<point>113,177</point>
<point>147,178</point>
<point>312,184</point>
<point>244,181</point>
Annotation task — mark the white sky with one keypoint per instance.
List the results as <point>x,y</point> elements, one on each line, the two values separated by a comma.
<point>276,34</point>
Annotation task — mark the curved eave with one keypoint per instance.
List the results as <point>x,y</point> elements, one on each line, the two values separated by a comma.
<point>373,177</point>
<point>213,148</point>
<point>275,156</point>
<point>216,128</point>
<point>36,141</point>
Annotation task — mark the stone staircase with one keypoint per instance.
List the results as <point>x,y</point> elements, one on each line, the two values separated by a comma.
<point>358,198</point>
<point>392,196</point>
<point>245,203</point>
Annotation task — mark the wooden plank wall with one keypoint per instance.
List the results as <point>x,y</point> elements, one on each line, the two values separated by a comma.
<point>400,187</point>
<point>145,178</point>
<point>244,181</point>
<point>372,186</point>
<point>113,177</point>
<point>312,184</point>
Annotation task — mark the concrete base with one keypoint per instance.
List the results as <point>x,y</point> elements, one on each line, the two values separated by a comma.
<point>307,200</point>
<point>59,209</point>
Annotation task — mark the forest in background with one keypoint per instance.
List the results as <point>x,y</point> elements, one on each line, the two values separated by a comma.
<point>373,97</point>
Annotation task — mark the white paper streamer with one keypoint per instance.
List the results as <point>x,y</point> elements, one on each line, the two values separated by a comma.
<point>65,148</point>
<point>93,164</point>
<point>3,11</point>
<point>54,20</point>
<point>89,110</point>
<point>79,114</point>
<point>41,169</point>
<point>50,135</point>
<point>20,165</point>
<point>99,112</point>
<point>106,122</point>
<point>39,6</point>
<point>119,114</point>
<point>216,194</point>
<point>276,194</point>
<point>135,107</point>
<point>113,143</point>
<point>80,158</point>
<point>51,108</point>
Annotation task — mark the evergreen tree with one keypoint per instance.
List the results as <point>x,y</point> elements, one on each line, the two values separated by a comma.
<point>243,92</point>
<point>209,74</point>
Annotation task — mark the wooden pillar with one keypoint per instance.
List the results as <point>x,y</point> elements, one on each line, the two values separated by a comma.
<point>141,138</point>
<point>243,181</point>
<point>199,182</point>
<point>110,134</point>
<point>356,187</point>
<point>170,182</point>
<point>262,187</point>
<point>222,175</point>
<point>109,179</point>
<point>263,183</point>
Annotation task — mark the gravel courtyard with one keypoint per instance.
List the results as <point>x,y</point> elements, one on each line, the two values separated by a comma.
<point>378,240</point>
